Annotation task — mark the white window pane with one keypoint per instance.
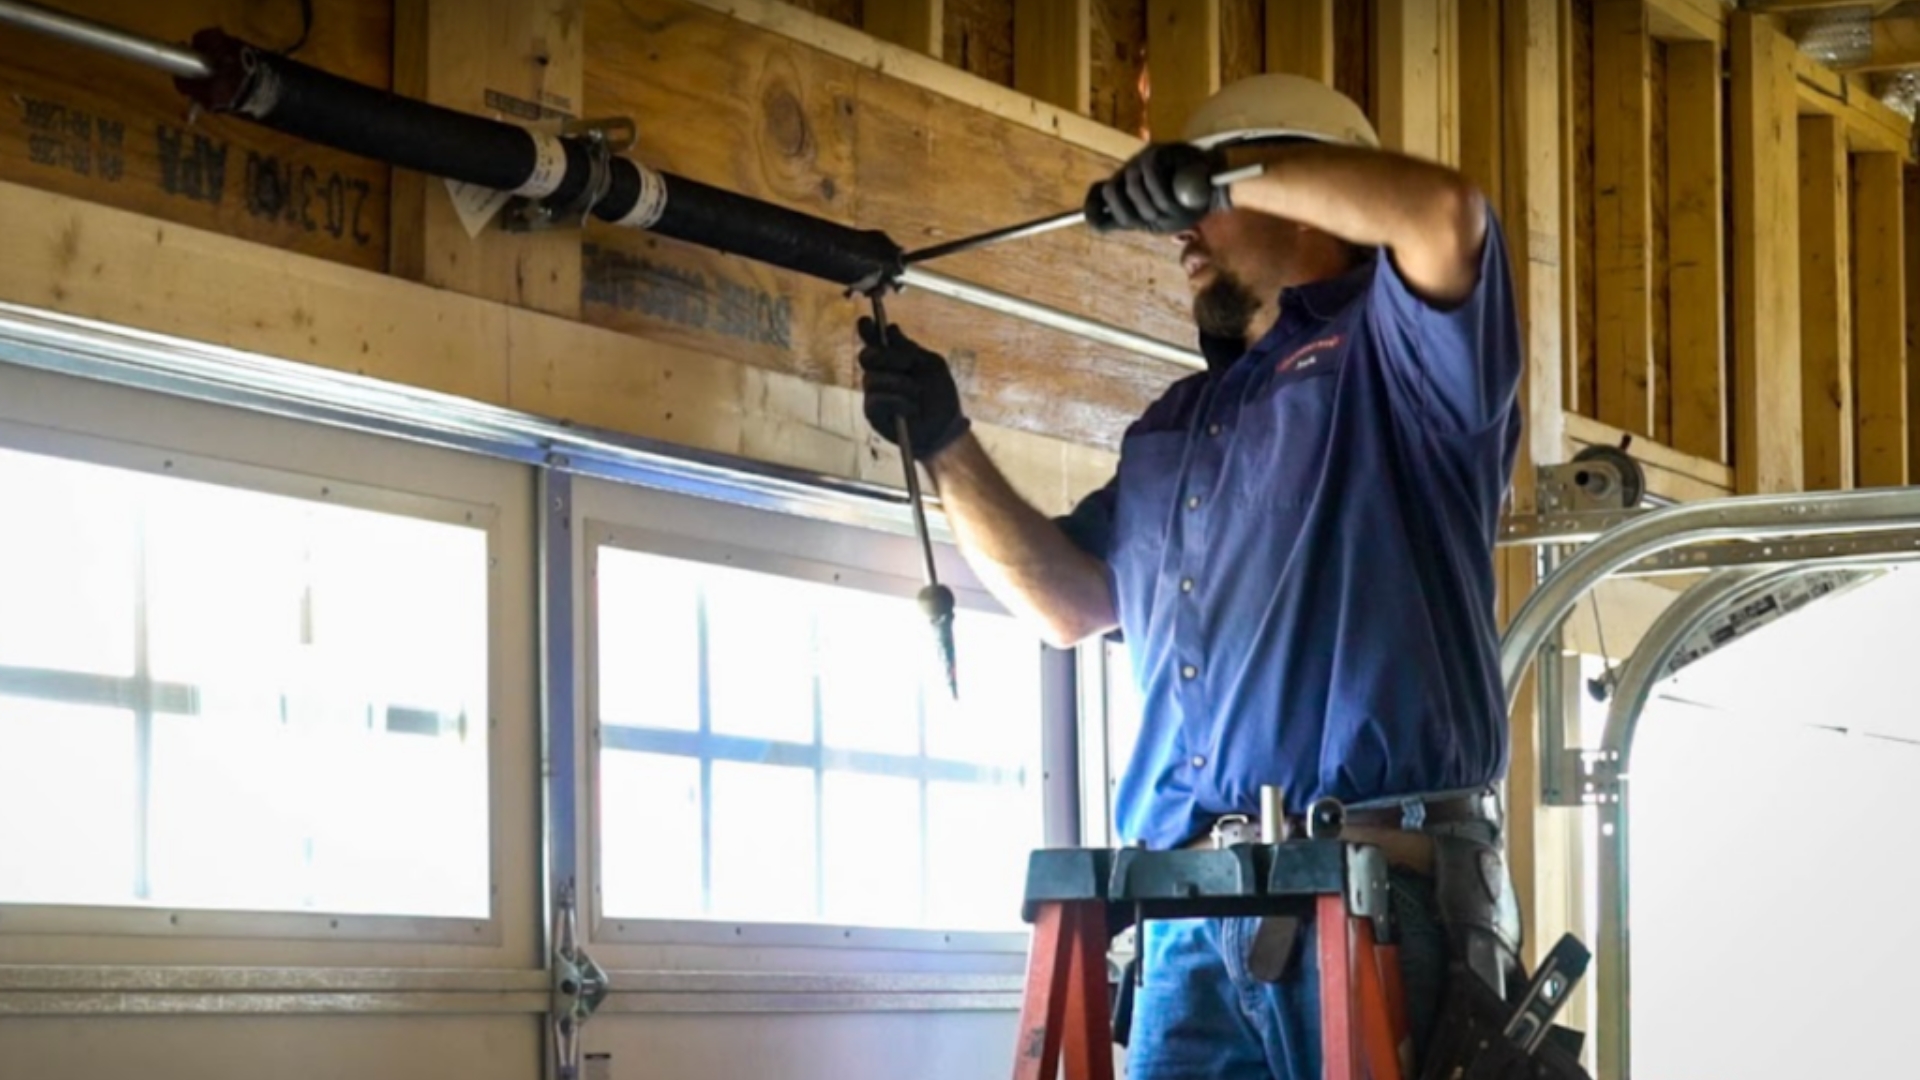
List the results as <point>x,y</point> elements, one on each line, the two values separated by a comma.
<point>873,850</point>
<point>760,656</point>
<point>68,557</point>
<point>67,813</point>
<point>413,840</point>
<point>319,675</point>
<point>978,840</point>
<point>227,579</point>
<point>392,607</point>
<point>875,651</point>
<point>997,719</point>
<point>649,643</point>
<point>809,824</point>
<point>249,812</point>
<point>231,813</point>
<point>650,836</point>
<point>763,843</point>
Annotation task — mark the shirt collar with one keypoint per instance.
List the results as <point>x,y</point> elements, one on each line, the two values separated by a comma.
<point>1302,306</point>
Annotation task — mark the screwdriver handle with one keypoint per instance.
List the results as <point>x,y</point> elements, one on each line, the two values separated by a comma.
<point>1193,187</point>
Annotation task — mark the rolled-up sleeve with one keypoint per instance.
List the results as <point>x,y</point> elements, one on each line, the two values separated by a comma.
<point>1462,361</point>
<point>1090,524</point>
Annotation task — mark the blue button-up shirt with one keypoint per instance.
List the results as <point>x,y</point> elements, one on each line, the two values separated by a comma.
<point>1301,550</point>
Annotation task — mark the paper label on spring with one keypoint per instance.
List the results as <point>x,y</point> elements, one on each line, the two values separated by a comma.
<point>549,166</point>
<point>649,203</point>
<point>476,205</point>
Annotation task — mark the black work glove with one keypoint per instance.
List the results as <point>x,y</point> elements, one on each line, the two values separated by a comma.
<point>904,379</point>
<point>1146,192</point>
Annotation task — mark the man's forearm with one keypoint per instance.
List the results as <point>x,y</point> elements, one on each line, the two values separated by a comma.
<point>1429,216</point>
<point>1023,556</point>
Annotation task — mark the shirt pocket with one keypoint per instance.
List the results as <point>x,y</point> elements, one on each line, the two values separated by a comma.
<point>1285,436</point>
<point>1150,467</point>
<point>1149,484</point>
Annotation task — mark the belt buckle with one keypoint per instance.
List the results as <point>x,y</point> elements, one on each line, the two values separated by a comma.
<point>1233,829</point>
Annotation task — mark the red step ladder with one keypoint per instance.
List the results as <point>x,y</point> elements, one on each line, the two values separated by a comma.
<point>1363,1020</point>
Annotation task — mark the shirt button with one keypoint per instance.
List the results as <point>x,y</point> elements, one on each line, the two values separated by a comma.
<point>1186,585</point>
<point>1199,762</point>
<point>1193,502</point>
<point>1189,671</point>
<point>1213,429</point>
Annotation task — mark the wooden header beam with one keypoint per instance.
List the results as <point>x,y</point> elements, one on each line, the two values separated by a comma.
<point>1772,6</point>
<point>1871,125</point>
<point>1688,20</point>
<point>1896,45</point>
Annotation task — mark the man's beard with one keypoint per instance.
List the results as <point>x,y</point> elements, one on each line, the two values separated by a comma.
<point>1225,307</point>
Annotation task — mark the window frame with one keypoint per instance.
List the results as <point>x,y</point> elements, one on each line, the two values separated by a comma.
<point>835,553</point>
<point>189,922</point>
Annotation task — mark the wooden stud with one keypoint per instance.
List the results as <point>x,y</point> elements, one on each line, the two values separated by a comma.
<point>1482,133</point>
<point>521,60</point>
<point>1697,283</point>
<point>1826,331</point>
<point>1910,188</point>
<point>1183,61</point>
<point>1623,214</point>
<point>855,46</point>
<point>1576,209</point>
<point>1415,96</point>
<point>1053,52</point>
<point>1766,258</point>
<point>911,24</point>
<point>1533,72</point>
<point>1300,38</point>
<point>1880,320</point>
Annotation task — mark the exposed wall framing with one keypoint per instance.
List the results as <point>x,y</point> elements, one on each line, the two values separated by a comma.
<point>844,141</point>
<point>1118,63</point>
<point>978,37</point>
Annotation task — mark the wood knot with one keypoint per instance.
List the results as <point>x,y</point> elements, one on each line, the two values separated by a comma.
<point>786,123</point>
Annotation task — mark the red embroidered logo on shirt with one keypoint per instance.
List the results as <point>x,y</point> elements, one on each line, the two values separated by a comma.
<point>1299,357</point>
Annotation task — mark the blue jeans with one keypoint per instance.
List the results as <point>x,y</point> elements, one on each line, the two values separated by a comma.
<point>1199,1016</point>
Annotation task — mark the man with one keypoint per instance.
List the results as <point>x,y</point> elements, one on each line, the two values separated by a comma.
<point>1298,548</point>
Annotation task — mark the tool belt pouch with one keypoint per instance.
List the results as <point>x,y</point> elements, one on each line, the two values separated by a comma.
<point>1477,907</point>
<point>1469,1041</point>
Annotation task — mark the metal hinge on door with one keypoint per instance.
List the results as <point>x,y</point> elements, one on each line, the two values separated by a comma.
<point>579,986</point>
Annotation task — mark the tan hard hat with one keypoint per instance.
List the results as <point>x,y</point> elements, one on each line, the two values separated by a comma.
<point>1275,107</point>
